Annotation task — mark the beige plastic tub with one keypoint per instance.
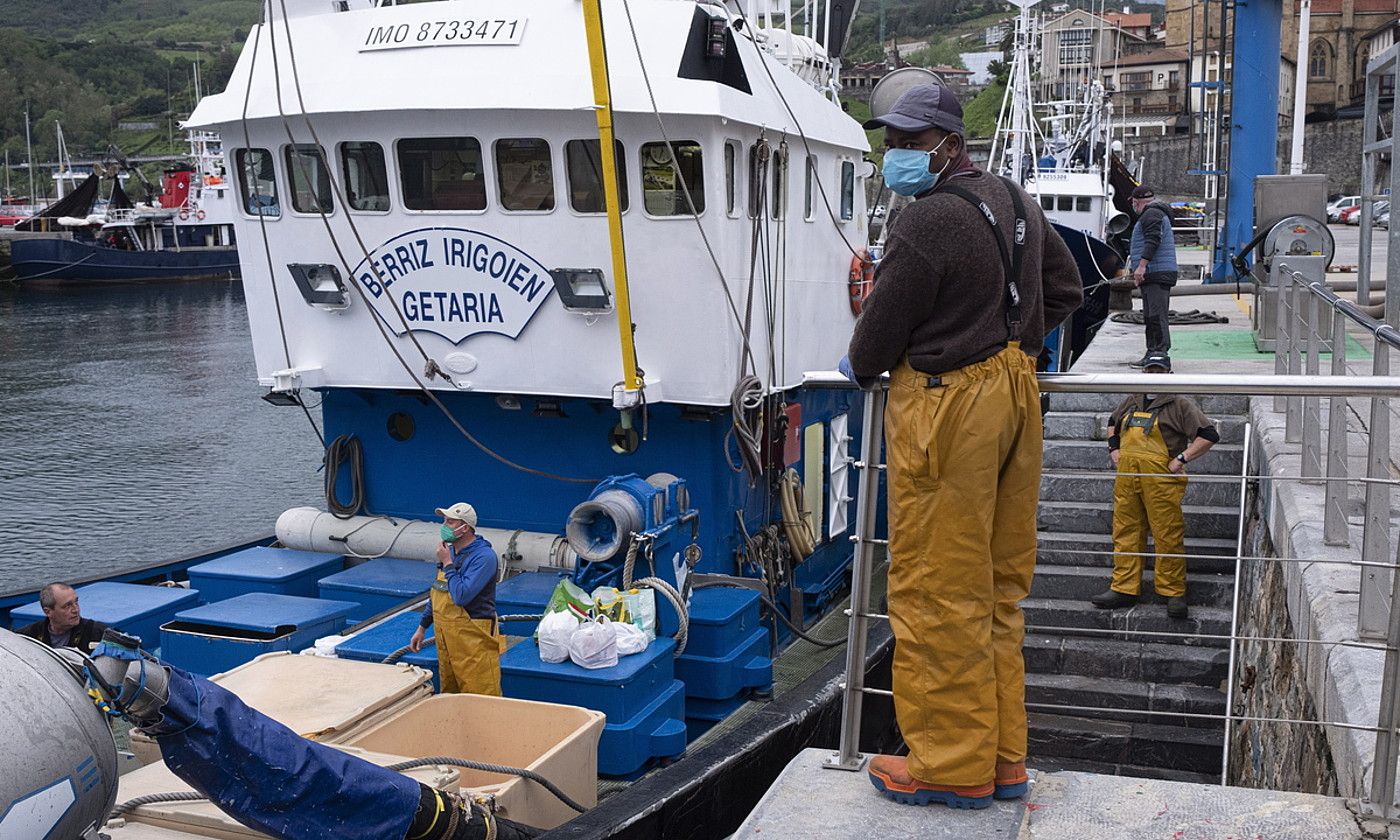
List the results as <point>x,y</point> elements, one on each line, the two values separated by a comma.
<point>326,700</point>
<point>204,819</point>
<point>558,742</point>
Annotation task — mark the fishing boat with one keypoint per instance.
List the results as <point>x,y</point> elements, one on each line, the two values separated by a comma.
<point>581,291</point>
<point>181,230</point>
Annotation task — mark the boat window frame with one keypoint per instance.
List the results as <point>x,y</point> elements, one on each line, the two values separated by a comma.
<point>778,206</point>
<point>1083,204</point>
<point>623,187</point>
<point>305,149</point>
<point>697,196</point>
<point>733,198</point>
<point>848,189</point>
<point>345,177</point>
<point>403,183</point>
<point>240,170</point>
<point>501,185</point>
<point>809,204</point>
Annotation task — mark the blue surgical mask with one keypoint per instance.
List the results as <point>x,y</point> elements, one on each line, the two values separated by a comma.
<point>906,170</point>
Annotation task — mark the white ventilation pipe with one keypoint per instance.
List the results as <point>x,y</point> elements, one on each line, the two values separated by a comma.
<point>312,529</point>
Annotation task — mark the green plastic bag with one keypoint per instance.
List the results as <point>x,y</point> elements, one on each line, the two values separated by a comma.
<point>566,595</point>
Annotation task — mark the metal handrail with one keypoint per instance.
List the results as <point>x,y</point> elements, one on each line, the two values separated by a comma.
<point>1262,385</point>
<point>1380,330</point>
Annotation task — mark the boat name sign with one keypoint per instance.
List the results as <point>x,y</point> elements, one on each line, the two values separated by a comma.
<point>444,33</point>
<point>454,283</point>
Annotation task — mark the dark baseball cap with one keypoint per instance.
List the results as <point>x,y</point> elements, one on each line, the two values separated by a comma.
<point>920,108</point>
<point>1144,192</point>
<point>1157,360</point>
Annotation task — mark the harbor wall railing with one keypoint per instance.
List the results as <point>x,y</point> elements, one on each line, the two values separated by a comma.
<point>1299,386</point>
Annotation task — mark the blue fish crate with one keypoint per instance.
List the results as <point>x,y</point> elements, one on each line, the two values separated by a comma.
<point>643,702</point>
<point>280,571</point>
<point>376,643</point>
<point>214,638</point>
<point>378,585</point>
<point>746,668</point>
<point>133,608</point>
<point>722,619</point>
<point>525,594</point>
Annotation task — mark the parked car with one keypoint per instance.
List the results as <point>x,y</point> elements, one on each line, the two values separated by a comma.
<point>1383,220</point>
<point>1351,216</point>
<point>1335,208</point>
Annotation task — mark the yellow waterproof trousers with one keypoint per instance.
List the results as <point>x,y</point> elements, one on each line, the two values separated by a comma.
<point>1147,496</point>
<point>468,649</point>
<point>964,452</point>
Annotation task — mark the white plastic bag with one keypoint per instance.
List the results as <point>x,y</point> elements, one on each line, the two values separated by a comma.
<point>593,645</point>
<point>630,638</point>
<point>641,605</point>
<point>556,629</point>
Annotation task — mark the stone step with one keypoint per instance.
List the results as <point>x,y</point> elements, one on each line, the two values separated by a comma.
<point>1078,583</point>
<point>1123,744</point>
<point>1097,517</point>
<point>1215,405</point>
<point>1224,459</point>
<point>1099,488</point>
<point>1093,425</point>
<point>1052,764</point>
<point>1069,548</point>
<point>1126,660</point>
<point>1044,613</point>
<point>1126,700</point>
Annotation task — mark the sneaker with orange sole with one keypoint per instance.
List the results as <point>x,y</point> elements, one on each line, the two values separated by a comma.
<point>1012,781</point>
<point>890,775</point>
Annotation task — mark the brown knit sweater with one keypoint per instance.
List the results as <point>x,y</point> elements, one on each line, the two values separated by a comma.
<point>938,294</point>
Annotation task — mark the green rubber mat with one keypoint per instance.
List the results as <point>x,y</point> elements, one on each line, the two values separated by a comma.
<point>1192,344</point>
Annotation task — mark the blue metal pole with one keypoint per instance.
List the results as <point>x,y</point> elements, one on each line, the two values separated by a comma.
<point>1253,121</point>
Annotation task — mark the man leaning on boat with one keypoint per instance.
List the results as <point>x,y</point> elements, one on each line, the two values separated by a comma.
<point>63,624</point>
<point>972,279</point>
<point>462,608</point>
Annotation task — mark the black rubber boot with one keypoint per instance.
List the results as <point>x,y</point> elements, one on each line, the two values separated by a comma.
<point>1139,363</point>
<point>1112,600</point>
<point>1177,607</point>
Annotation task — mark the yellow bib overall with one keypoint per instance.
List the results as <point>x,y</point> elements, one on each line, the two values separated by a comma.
<point>964,452</point>
<point>1147,501</point>
<point>468,649</point>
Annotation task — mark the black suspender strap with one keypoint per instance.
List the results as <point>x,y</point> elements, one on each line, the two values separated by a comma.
<point>1011,258</point>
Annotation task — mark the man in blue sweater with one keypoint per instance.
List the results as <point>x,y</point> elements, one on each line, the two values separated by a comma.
<point>462,605</point>
<point>1152,260</point>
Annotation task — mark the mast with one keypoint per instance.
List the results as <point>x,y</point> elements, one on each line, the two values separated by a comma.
<point>1015,126</point>
<point>29,149</point>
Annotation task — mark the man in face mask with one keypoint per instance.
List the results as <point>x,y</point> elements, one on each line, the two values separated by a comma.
<point>973,277</point>
<point>462,605</point>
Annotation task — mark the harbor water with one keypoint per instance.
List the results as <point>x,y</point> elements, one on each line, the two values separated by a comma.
<point>131,429</point>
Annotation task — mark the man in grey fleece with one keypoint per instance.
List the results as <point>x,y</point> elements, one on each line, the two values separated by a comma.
<point>972,279</point>
<point>1152,260</point>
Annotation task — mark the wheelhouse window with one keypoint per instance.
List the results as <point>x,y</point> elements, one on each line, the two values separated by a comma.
<point>731,178</point>
<point>848,190</point>
<point>310,179</point>
<point>525,174</point>
<point>808,208</point>
<point>780,181</point>
<point>365,175</point>
<point>665,182</point>
<point>584,161</point>
<point>257,182</point>
<point>442,173</point>
<point>1082,204</point>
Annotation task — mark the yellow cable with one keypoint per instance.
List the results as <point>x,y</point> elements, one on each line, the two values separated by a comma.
<point>602,98</point>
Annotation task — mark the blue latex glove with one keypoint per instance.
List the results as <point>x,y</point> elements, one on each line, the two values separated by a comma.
<point>845,367</point>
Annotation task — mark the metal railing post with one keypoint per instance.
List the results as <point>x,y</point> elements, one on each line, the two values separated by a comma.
<point>1382,803</point>
<point>1284,280</point>
<point>848,755</point>
<point>1372,617</point>
<point>1311,469</point>
<point>1369,135</point>
<point>1235,605</point>
<point>1293,406</point>
<point>1334,514</point>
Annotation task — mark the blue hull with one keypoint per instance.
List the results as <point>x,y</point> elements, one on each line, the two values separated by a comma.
<point>69,260</point>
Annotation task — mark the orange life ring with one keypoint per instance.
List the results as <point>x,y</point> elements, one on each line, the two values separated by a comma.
<point>184,213</point>
<point>860,282</point>
<point>199,214</point>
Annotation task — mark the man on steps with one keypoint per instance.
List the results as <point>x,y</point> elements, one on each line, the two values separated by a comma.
<point>1152,437</point>
<point>1152,260</point>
